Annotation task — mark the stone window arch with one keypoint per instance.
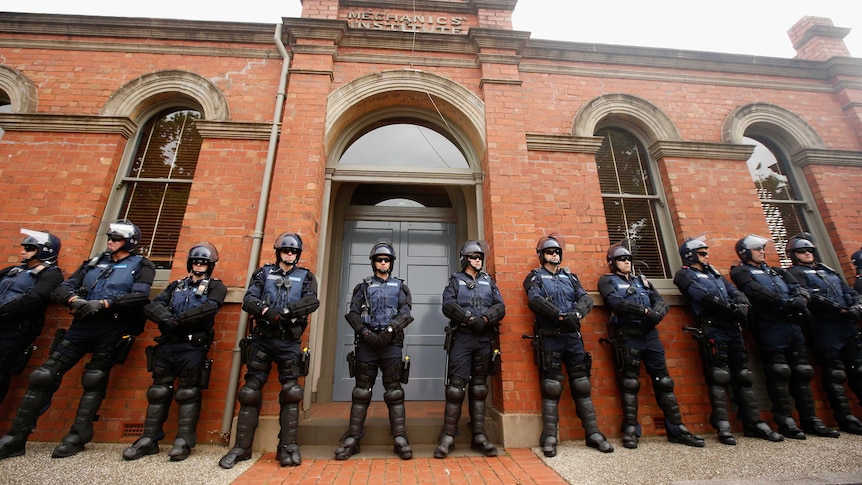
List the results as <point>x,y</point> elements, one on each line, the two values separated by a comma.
<point>632,192</point>
<point>155,179</point>
<point>17,91</point>
<point>788,204</point>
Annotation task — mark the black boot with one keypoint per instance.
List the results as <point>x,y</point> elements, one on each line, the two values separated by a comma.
<point>13,445</point>
<point>787,427</point>
<point>850,424</point>
<point>480,442</point>
<point>550,423</point>
<point>725,436</point>
<point>355,430</point>
<point>447,442</point>
<point>180,450</point>
<point>763,431</point>
<point>288,448</point>
<point>813,425</point>
<point>599,442</point>
<point>684,437</point>
<point>142,447</point>
<point>246,424</point>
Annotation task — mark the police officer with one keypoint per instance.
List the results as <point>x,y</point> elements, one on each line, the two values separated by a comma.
<point>106,295</point>
<point>280,297</point>
<point>720,310</point>
<point>636,309</point>
<point>474,306</point>
<point>560,304</point>
<point>184,312</point>
<point>25,291</point>
<point>779,304</point>
<point>835,309</point>
<point>379,311</point>
<point>857,263</point>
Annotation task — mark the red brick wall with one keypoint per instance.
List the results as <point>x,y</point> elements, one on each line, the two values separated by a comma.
<point>527,193</point>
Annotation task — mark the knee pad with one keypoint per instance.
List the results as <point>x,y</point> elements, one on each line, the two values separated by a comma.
<point>805,371</point>
<point>719,375</point>
<point>780,370</point>
<point>361,394</point>
<point>745,378</point>
<point>42,378</point>
<point>394,395</point>
<point>158,394</point>
<point>581,387</point>
<point>630,385</point>
<point>835,374</point>
<point>188,394</point>
<point>290,392</point>
<point>94,380</point>
<point>249,396</point>
<point>552,388</point>
<point>454,394</point>
<point>479,392</point>
<point>455,390</point>
<point>663,383</point>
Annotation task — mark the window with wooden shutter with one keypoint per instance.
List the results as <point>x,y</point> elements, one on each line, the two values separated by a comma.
<point>159,180</point>
<point>631,200</point>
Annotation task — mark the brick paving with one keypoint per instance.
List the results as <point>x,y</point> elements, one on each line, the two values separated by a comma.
<point>514,466</point>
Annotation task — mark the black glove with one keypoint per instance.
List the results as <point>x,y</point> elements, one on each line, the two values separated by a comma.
<point>740,313</point>
<point>272,316</point>
<point>653,317</point>
<point>90,307</point>
<point>571,323</point>
<point>476,324</point>
<point>855,313</point>
<point>375,340</point>
<point>797,304</point>
<point>77,304</point>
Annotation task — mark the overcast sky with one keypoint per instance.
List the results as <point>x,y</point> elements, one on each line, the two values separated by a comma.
<point>756,27</point>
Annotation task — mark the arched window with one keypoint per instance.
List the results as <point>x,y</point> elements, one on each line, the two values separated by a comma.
<point>631,199</point>
<point>782,204</point>
<point>389,145</point>
<point>157,184</point>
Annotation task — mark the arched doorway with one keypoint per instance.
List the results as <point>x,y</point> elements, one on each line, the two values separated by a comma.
<point>424,217</point>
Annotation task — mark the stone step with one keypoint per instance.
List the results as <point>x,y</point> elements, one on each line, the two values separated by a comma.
<point>325,429</point>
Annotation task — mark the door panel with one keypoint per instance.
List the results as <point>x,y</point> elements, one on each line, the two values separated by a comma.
<point>425,255</point>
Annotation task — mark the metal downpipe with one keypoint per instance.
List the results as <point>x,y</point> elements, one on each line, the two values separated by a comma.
<point>257,236</point>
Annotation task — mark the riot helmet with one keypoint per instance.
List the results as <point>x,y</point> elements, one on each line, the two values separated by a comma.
<point>614,252</point>
<point>383,247</point>
<point>857,260</point>
<point>546,243</point>
<point>800,243</point>
<point>747,243</point>
<point>288,241</point>
<point>47,245</point>
<point>688,249</point>
<point>126,230</point>
<point>472,248</point>
<point>203,251</point>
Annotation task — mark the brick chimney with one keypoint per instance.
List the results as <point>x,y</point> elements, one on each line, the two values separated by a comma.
<point>817,39</point>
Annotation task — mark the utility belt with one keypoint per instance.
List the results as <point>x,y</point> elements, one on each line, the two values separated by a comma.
<point>627,329</point>
<point>197,339</point>
<point>292,333</point>
<point>716,322</point>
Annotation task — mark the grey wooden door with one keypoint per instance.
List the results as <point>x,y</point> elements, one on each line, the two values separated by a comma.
<point>426,254</point>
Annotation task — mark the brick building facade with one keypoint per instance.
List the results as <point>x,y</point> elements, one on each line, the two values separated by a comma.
<point>531,120</point>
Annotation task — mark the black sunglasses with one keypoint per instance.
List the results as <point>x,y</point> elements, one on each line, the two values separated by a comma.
<point>553,251</point>
<point>116,239</point>
<point>474,257</point>
<point>30,247</point>
<point>200,261</point>
<point>805,250</point>
<point>703,253</point>
<point>289,250</point>
<point>623,258</point>
<point>382,260</point>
